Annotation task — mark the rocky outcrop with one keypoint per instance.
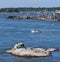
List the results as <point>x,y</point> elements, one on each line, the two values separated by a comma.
<point>10,17</point>
<point>50,18</point>
<point>18,17</point>
<point>22,51</point>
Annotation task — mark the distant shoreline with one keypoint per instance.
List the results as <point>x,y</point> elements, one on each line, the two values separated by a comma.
<point>29,9</point>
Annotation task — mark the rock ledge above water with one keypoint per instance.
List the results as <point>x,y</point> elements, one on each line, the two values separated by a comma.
<point>22,51</point>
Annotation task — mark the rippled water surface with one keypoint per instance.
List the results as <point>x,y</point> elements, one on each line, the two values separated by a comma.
<point>13,31</point>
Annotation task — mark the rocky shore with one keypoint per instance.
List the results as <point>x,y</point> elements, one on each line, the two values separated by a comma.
<point>51,16</point>
<point>22,51</point>
<point>33,18</point>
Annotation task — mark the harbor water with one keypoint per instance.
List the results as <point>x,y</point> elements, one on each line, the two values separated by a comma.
<point>13,31</point>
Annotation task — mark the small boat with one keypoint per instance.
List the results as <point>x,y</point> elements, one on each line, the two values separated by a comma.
<point>35,31</point>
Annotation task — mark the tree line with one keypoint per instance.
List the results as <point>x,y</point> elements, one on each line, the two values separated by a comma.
<point>28,9</point>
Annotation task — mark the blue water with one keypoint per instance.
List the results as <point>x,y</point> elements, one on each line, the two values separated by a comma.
<point>13,31</point>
